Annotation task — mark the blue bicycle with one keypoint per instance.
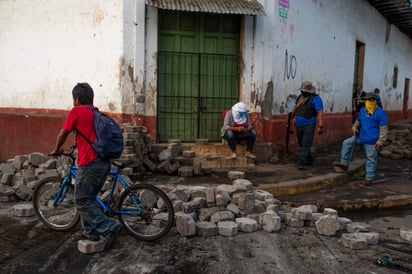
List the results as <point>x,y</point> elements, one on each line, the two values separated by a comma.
<point>144,210</point>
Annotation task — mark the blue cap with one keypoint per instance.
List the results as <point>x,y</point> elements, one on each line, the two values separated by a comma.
<point>242,112</point>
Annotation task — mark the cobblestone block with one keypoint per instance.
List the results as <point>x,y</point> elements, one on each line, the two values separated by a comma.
<point>328,225</point>
<point>206,229</point>
<point>185,171</point>
<point>233,175</point>
<point>188,153</point>
<point>227,228</point>
<point>406,234</point>
<point>173,168</point>
<point>185,224</point>
<point>224,215</point>
<point>358,227</point>
<point>149,164</point>
<point>353,241</point>
<point>23,210</point>
<point>271,222</point>
<point>89,247</point>
<point>247,225</point>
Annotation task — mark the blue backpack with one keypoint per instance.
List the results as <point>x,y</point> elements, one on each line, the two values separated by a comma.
<point>109,138</point>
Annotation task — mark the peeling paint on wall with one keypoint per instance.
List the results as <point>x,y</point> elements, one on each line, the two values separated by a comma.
<point>267,102</point>
<point>98,16</point>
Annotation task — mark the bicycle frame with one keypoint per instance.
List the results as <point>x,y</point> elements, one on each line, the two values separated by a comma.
<point>105,206</point>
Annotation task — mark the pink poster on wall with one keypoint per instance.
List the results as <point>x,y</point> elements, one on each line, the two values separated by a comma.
<point>284,3</point>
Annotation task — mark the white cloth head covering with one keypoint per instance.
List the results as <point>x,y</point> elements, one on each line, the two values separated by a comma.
<point>236,109</point>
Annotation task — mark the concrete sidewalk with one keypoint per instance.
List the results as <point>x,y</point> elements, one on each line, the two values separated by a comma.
<point>320,185</point>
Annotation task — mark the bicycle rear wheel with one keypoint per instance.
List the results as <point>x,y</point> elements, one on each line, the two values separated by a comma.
<point>146,212</point>
<point>54,204</point>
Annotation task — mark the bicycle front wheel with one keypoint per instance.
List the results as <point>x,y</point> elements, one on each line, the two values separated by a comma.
<point>146,212</point>
<point>54,204</point>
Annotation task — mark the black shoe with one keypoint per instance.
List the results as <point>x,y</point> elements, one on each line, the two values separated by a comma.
<point>110,236</point>
<point>301,167</point>
<point>340,165</point>
<point>91,237</point>
<point>368,182</point>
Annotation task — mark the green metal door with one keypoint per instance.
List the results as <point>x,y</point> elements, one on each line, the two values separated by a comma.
<point>198,73</point>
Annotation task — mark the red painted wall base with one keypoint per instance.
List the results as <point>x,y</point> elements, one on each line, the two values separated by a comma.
<point>24,131</point>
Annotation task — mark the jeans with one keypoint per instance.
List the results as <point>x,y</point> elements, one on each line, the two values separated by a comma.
<point>233,137</point>
<point>371,156</point>
<point>305,139</point>
<point>89,181</point>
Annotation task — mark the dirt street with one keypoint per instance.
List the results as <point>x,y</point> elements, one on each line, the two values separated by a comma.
<point>28,246</point>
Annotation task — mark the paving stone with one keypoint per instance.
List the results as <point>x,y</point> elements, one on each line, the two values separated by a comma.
<point>188,153</point>
<point>328,225</point>
<point>206,229</point>
<point>233,175</point>
<point>406,234</point>
<point>185,224</point>
<point>227,228</point>
<point>224,215</point>
<point>371,237</point>
<point>241,185</point>
<point>23,210</point>
<point>271,222</point>
<point>246,203</point>
<point>357,227</point>
<point>89,247</point>
<point>185,171</point>
<point>205,213</point>
<point>353,241</point>
<point>246,224</point>
<point>293,222</point>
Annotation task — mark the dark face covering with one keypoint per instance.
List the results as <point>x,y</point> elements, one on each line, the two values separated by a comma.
<point>305,94</point>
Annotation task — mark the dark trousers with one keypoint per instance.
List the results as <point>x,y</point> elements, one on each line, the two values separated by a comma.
<point>233,137</point>
<point>305,139</point>
<point>89,181</point>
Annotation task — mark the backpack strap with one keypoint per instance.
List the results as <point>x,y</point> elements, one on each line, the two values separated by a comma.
<point>78,131</point>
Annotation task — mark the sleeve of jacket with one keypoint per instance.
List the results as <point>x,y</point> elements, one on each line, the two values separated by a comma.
<point>227,122</point>
<point>383,135</point>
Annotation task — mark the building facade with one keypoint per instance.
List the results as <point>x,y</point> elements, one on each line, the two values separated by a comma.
<point>172,66</point>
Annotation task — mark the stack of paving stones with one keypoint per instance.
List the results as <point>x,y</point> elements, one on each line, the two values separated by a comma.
<point>137,147</point>
<point>227,210</point>
<point>399,143</point>
<point>178,159</point>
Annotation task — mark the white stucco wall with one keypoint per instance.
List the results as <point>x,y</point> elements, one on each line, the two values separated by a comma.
<point>320,40</point>
<point>46,47</point>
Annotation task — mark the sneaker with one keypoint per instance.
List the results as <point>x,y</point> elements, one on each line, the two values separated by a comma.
<point>232,156</point>
<point>340,165</point>
<point>110,236</point>
<point>250,155</point>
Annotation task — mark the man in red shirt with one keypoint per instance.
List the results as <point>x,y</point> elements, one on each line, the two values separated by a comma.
<point>92,171</point>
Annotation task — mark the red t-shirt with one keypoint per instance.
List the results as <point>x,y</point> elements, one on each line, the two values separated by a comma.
<point>81,118</point>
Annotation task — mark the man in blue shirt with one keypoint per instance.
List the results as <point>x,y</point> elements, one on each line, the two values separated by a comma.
<point>371,129</point>
<point>308,109</point>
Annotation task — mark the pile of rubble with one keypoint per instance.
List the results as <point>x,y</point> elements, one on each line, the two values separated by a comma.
<point>228,209</point>
<point>399,143</point>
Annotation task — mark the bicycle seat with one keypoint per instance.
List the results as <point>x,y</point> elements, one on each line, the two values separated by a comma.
<point>122,163</point>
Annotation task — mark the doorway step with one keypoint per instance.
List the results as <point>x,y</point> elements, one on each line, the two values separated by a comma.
<point>202,155</point>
